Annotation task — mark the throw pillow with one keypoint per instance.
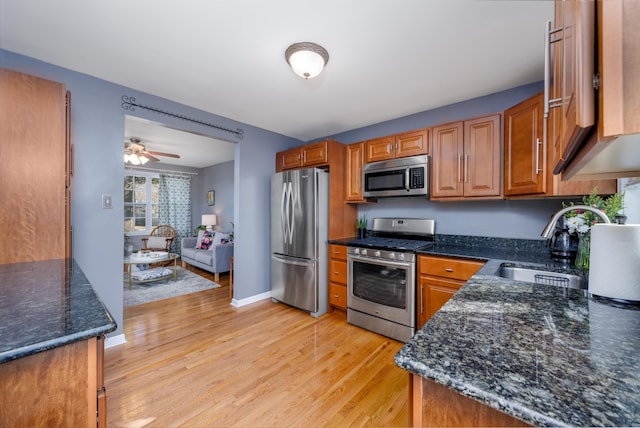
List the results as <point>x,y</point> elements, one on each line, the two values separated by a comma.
<point>156,242</point>
<point>220,238</point>
<point>207,238</point>
<point>200,234</point>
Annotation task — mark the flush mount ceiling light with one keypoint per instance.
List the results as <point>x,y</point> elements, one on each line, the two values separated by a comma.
<point>306,59</point>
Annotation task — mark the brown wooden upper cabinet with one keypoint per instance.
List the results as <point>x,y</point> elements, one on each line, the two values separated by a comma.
<point>34,117</point>
<point>411,143</point>
<point>466,159</point>
<point>594,56</point>
<point>354,162</point>
<point>310,155</point>
<point>528,161</point>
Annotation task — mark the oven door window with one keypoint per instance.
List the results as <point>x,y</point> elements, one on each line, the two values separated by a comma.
<point>385,180</point>
<point>386,285</point>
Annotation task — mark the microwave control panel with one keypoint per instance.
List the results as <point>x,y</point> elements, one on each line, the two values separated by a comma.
<point>416,178</point>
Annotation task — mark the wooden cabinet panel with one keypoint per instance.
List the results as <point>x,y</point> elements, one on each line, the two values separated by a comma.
<point>53,388</point>
<point>412,143</point>
<point>289,159</point>
<point>338,276</point>
<point>33,132</point>
<point>338,252</point>
<point>338,271</point>
<point>447,267</point>
<point>436,405</point>
<point>482,157</point>
<point>314,154</point>
<point>438,279</point>
<point>524,149</point>
<point>379,149</point>
<point>354,161</point>
<point>611,150</point>
<point>447,150</point>
<point>527,165</point>
<point>338,296</point>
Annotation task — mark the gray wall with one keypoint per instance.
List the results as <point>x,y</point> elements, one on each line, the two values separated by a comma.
<point>220,179</point>
<point>97,132</point>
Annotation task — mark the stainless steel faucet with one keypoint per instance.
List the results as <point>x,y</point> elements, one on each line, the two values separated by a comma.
<point>550,227</point>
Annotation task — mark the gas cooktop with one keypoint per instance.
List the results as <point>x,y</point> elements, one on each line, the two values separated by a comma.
<point>390,243</point>
<point>398,234</point>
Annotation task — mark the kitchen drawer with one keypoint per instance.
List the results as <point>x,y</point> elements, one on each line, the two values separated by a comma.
<point>338,271</point>
<point>338,295</point>
<point>447,267</point>
<point>337,252</point>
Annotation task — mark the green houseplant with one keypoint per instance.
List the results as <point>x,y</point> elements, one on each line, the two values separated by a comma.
<point>362,226</point>
<point>580,221</point>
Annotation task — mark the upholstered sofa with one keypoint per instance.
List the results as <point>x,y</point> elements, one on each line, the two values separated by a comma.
<point>215,259</point>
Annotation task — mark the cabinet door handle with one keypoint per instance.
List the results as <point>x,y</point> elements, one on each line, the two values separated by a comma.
<point>460,168</point>
<point>421,299</point>
<point>556,102</point>
<point>466,168</point>
<point>538,144</point>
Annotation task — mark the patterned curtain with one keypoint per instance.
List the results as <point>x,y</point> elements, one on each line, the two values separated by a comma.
<point>174,206</point>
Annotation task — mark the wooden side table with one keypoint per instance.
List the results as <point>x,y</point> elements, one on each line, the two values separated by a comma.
<point>231,279</point>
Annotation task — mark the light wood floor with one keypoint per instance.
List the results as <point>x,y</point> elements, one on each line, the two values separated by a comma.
<point>196,361</point>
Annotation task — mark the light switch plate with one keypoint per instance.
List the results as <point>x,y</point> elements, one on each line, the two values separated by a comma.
<point>107,202</point>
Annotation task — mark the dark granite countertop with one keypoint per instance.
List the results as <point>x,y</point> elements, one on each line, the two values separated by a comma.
<point>546,355</point>
<point>47,304</point>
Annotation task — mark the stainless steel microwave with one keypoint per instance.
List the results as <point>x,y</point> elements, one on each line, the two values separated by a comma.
<point>397,177</point>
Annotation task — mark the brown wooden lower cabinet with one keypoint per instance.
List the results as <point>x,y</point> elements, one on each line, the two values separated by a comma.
<point>63,386</point>
<point>337,277</point>
<point>438,279</point>
<point>435,405</point>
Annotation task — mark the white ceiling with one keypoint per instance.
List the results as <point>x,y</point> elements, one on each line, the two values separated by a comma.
<point>388,58</point>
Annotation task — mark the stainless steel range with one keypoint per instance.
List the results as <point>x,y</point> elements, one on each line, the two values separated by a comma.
<point>381,276</point>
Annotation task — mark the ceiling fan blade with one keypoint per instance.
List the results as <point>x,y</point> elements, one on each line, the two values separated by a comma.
<point>170,155</point>
<point>148,156</point>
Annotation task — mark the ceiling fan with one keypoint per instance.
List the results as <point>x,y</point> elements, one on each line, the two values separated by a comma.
<point>136,154</point>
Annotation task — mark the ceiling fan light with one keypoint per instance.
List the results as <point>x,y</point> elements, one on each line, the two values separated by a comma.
<point>143,159</point>
<point>306,59</point>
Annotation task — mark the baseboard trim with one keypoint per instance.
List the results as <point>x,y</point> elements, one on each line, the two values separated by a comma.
<point>252,299</point>
<point>115,341</point>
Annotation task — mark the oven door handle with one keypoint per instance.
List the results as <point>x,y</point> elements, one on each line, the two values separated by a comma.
<point>379,261</point>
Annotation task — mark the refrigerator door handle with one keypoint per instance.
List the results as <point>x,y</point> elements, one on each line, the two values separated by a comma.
<point>291,261</point>
<point>286,211</point>
<point>291,217</point>
<point>283,216</point>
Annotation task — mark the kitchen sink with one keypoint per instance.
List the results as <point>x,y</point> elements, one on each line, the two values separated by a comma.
<point>539,275</point>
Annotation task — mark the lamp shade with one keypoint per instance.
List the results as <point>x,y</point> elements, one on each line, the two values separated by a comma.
<point>209,219</point>
<point>306,59</point>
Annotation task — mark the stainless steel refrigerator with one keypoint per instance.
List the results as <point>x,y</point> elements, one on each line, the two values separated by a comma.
<point>299,212</point>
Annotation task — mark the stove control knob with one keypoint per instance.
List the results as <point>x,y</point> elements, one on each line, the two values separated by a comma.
<point>363,252</point>
<point>400,256</point>
<point>392,255</point>
<point>377,253</point>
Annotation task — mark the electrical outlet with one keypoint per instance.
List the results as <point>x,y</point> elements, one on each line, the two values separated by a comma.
<point>107,202</point>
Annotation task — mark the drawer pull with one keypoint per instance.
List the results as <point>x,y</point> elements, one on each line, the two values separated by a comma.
<point>336,273</point>
<point>336,296</point>
<point>448,269</point>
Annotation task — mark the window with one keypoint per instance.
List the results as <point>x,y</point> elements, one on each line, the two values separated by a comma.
<point>140,202</point>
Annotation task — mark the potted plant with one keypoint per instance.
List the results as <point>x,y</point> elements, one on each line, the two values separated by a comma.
<point>580,222</point>
<point>362,226</point>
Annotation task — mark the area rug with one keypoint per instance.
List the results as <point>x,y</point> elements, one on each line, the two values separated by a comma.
<point>187,282</point>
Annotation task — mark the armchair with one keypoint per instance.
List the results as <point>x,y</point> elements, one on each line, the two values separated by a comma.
<point>160,238</point>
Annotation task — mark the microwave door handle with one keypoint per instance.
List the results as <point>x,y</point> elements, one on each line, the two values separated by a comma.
<point>406,179</point>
